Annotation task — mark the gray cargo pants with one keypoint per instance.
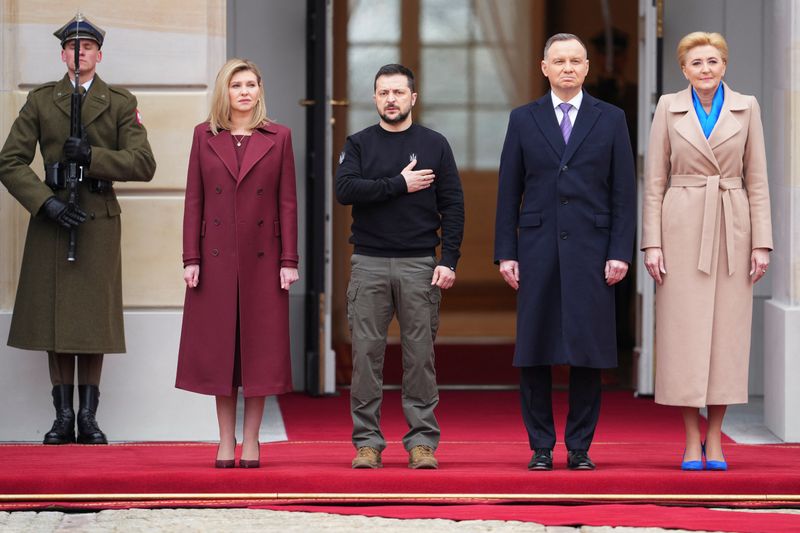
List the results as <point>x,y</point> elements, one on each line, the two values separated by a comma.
<point>379,288</point>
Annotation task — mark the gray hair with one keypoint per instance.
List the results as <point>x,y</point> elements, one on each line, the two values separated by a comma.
<point>563,37</point>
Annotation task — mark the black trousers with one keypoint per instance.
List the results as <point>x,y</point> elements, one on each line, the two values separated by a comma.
<point>536,387</point>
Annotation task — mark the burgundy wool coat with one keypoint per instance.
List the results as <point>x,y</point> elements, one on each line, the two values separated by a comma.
<point>240,226</point>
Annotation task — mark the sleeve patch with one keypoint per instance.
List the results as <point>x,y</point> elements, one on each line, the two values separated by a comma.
<point>138,117</point>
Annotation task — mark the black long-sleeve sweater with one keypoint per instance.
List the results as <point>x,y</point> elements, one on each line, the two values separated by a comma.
<point>388,221</point>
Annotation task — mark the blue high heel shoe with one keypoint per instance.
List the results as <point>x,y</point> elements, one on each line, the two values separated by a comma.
<point>714,465</point>
<point>691,465</point>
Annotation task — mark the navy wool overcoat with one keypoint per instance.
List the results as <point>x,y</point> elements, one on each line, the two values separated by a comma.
<point>563,210</point>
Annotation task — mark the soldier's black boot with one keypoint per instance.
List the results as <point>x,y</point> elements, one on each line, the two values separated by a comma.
<point>88,430</point>
<point>63,430</point>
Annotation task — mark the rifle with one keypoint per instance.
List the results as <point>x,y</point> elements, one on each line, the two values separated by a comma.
<point>75,170</point>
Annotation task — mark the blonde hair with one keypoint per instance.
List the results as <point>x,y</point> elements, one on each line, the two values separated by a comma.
<point>702,38</point>
<point>219,118</point>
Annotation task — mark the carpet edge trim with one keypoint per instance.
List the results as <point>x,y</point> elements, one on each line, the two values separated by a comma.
<point>393,497</point>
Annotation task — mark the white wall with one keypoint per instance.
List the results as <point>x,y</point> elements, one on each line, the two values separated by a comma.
<point>782,341</point>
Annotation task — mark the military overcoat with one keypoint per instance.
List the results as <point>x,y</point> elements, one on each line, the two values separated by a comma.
<point>73,307</point>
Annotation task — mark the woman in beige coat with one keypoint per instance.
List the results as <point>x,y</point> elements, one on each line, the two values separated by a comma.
<point>706,237</point>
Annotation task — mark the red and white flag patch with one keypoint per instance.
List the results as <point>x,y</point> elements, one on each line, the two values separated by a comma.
<point>138,117</point>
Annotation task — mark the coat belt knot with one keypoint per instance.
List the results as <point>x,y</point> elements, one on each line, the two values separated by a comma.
<point>713,185</point>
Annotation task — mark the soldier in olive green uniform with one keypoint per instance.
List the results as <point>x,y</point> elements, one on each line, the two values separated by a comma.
<point>73,309</point>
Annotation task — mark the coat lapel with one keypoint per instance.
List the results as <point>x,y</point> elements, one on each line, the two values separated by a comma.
<point>61,93</point>
<point>222,145</point>
<point>727,125</point>
<point>545,117</point>
<point>95,102</point>
<point>688,126</point>
<point>257,147</point>
<point>584,121</point>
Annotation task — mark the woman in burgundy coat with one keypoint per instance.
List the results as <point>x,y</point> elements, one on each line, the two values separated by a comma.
<point>240,257</point>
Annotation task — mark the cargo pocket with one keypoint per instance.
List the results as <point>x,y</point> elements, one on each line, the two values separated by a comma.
<point>435,300</point>
<point>352,294</point>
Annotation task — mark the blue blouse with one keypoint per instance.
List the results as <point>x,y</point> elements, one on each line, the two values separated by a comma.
<point>709,120</point>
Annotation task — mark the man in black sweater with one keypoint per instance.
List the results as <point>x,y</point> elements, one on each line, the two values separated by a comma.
<point>402,181</point>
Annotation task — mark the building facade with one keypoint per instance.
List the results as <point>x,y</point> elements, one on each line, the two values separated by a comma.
<point>168,55</point>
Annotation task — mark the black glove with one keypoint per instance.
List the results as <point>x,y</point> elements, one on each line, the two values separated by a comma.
<point>60,211</point>
<point>78,151</point>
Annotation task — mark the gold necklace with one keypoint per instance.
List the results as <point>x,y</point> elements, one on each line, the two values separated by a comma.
<point>240,139</point>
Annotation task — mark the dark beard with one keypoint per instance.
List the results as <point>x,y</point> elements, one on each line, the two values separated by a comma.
<point>397,120</point>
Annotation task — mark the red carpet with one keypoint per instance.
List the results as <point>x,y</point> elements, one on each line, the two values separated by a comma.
<point>473,416</point>
<point>692,518</point>
<point>461,364</point>
<point>483,456</point>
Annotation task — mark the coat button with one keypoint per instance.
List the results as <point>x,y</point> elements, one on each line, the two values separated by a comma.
<point>216,222</point>
<point>215,252</point>
<point>564,200</point>
<point>218,189</point>
<point>260,223</point>
<point>564,235</point>
<point>91,215</point>
<point>260,254</point>
<point>260,192</point>
<point>564,168</point>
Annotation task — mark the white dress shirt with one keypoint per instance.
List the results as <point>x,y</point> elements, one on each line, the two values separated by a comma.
<point>85,85</point>
<point>573,113</point>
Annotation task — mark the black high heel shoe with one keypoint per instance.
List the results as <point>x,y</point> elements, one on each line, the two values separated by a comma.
<point>251,463</point>
<point>226,463</point>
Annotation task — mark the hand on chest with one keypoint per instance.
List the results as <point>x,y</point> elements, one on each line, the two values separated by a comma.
<point>388,165</point>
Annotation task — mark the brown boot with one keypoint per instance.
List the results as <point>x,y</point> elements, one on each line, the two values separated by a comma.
<point>422,457</point>
<point>367,457</point>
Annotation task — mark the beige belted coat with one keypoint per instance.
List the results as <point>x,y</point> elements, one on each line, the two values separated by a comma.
<point>706,204</point>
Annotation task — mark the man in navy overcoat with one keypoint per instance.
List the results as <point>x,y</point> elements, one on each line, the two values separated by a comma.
<point>565,225</point>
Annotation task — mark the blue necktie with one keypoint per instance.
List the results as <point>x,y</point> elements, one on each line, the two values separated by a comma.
<point>566,124</point>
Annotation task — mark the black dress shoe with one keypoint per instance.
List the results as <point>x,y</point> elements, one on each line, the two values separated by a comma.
<point>579,460</point>
<point>542,459</point>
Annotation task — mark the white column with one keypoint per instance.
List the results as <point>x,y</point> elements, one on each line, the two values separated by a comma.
<point>782,312</point>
